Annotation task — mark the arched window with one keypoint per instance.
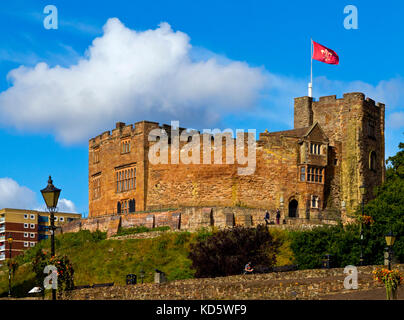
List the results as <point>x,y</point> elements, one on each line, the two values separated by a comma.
<point>372,161</point>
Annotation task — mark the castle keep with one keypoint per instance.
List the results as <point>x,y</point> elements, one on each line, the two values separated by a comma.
<point>313,171</point>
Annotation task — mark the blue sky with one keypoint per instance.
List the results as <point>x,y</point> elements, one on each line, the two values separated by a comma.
<point>267,43</point>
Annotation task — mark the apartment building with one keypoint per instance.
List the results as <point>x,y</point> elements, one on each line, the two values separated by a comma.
<point>26,228</point>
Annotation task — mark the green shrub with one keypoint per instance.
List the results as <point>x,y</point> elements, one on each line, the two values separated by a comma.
<point>227,251</point>
<point>309,247</point>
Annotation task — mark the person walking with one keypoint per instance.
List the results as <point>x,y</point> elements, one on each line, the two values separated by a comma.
<point>267,217</point>
<point>278,216</point>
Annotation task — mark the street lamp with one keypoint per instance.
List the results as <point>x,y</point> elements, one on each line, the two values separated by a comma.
<point>10,242</point>
<point>363,193</point>
<point>51,196</point>
<point>390,238</point>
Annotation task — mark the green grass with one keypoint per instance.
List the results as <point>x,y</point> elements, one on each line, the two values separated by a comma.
<point>99,260</point>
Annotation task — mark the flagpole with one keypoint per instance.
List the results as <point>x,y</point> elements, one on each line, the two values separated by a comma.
<point>311,69</point>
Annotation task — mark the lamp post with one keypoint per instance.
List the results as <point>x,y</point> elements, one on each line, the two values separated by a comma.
<point>390,238</point>
<point>10,242</point>
<point>51,196</point>
<point>363,193</point>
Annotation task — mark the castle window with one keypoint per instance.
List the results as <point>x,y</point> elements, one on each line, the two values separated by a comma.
<point>97,188</point>
<point>126,179</point>
<point>125,146</point>
<point>315,174</point>
<point>315,148</point>
<point>302,173</point>
<point>314,201</point>
<point>372,161</point>
<point>371,129</point>
<point>96,155</point>
<point>124,206</point>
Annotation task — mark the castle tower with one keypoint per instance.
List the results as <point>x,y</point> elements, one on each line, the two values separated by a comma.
<point>355,127</point>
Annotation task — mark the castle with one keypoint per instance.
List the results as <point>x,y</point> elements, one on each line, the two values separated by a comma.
<point>313,171</point>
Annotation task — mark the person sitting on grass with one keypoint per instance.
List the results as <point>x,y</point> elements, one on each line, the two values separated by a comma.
<point>248,269</point>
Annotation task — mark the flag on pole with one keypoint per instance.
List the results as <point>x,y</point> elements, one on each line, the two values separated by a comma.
<point>324,54</point>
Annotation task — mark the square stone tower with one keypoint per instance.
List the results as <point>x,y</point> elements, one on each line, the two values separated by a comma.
<point>355,128</point>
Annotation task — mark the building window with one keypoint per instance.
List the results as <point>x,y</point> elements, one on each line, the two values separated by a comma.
<point>126,179</point>
<point>125,146</point>
<point>97,188</point>
<point>96,155</point>
<point>25,216</point>
<point>315,148</point>
<point>124,206</point>
<point>25,243</point>
<point>371,129</point>
<point>25,234</point>
<point>32,235</point>
<point>26,225</point>
<point>61,219</point>
<point>372,161</point>
<point>56,218</point>
<point>315,174</point>
<point>32,217</point>
<point>32,226</point>
<point>314,201</point>
<point>302,173</point>
<point>32,244</point>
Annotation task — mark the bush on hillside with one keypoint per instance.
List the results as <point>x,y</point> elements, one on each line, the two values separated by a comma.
<point>309,247</point>
<point>65,271</point>
<point>227,251</point>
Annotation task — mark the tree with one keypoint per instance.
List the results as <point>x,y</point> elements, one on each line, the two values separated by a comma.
<point>227,251</point>
<point>387,210</point>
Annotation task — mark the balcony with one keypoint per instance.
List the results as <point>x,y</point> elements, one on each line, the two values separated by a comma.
<point>2,248</point>
<point>2,238</point>
<point>2,257</point>
<point>2,229</point>
<point>2,220</point>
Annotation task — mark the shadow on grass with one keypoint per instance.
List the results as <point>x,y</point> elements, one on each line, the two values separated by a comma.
<point>20,290</point>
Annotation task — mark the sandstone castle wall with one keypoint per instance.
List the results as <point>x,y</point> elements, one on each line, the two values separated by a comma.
<point>350,131</point>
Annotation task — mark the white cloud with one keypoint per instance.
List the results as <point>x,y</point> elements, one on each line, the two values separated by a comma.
<point>65,205</point>
<point>12,195</point>
<point>128,76</point>
<point>15,196</point>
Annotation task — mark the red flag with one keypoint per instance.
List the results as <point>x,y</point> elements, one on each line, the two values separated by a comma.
<point>324,54</point>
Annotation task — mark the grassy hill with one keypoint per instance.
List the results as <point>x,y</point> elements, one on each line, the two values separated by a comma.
<point>99,260</point>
